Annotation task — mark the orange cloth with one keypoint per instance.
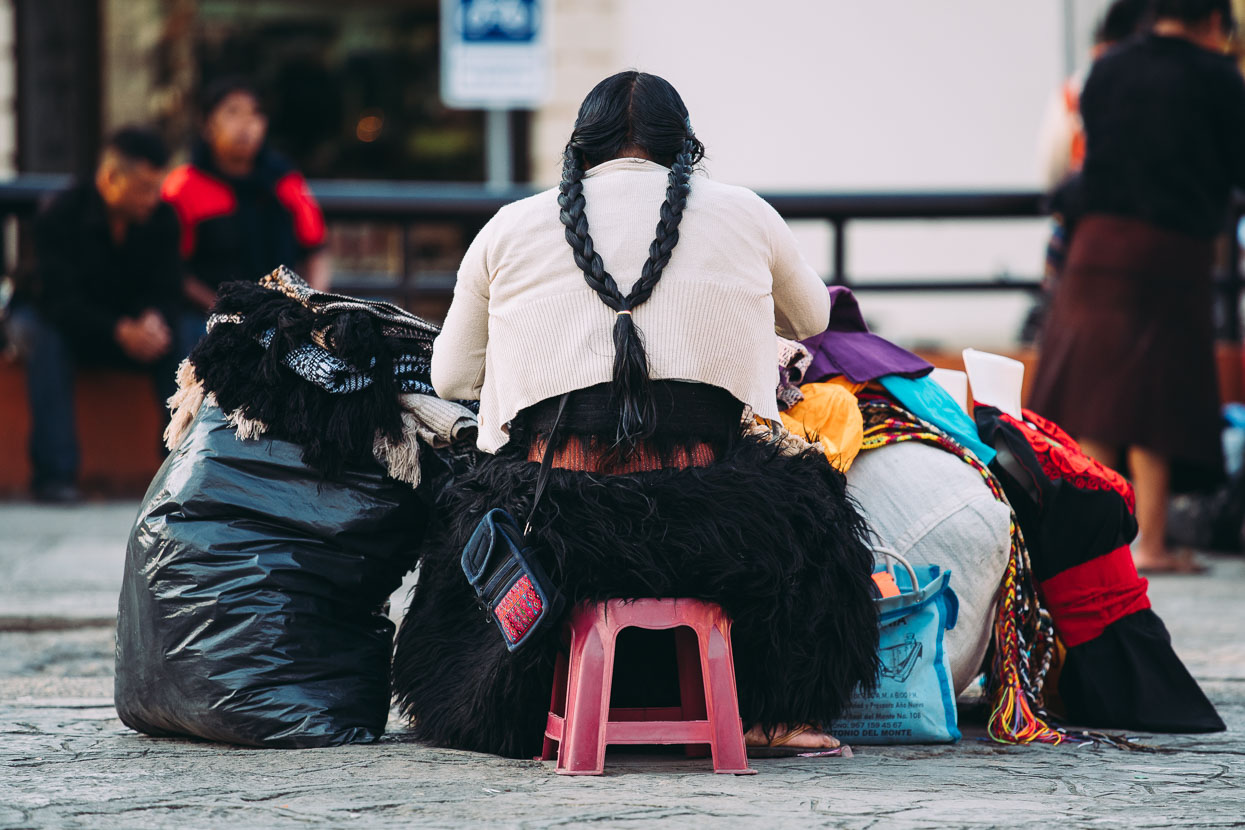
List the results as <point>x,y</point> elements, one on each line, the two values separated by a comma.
<point>829,415</point>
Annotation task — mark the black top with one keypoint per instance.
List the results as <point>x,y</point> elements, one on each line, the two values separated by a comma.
<point>84,282</point>
<point>1165,134</point>
<point>243,228</point>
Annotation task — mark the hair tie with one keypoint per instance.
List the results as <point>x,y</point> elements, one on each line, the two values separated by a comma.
<point>624,311</point>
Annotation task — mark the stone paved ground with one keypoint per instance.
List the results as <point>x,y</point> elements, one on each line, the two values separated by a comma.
<point>67,762</point>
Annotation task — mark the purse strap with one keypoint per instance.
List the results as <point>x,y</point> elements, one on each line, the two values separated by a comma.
<point>546,463</point>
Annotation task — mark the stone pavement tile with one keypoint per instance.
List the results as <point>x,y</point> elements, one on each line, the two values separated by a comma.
<point>62,563</point>
<point>66,761</point>
<point>1206,617</point>
<point>70,764</point>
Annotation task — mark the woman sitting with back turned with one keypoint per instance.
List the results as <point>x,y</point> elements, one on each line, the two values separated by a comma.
<point>655,489</point>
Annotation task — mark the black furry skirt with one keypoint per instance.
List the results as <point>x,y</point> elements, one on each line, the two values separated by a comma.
<point>773,539</point>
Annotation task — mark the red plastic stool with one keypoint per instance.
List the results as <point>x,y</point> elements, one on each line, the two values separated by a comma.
<point>581,721</point>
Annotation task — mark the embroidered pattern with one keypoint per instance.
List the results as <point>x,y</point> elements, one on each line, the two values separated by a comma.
<point>1062,458</point>
<point>518,609</point>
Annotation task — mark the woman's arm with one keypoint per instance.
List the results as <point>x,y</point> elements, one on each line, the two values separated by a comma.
<point>801,301</point>
<point>458,353</point>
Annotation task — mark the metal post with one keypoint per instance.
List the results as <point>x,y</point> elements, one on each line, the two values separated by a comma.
<point>406,280</point>
<point>1070,46</point>
<point>838,270</point>
<point>497,132</point>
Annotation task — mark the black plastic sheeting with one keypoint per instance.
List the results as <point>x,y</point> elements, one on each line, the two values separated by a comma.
<point>252,608</point>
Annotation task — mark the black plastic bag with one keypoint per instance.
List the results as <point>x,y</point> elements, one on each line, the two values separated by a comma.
<point>252,608</point>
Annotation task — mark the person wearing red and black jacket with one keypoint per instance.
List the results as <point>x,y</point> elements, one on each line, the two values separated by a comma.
<point>243,208</point>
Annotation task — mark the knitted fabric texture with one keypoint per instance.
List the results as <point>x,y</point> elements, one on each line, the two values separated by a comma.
<point>793,361</point>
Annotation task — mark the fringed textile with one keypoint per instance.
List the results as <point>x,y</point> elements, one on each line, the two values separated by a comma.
<point>1023,634</point>
<point>262,330</point>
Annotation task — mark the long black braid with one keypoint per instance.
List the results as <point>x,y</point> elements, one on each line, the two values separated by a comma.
<point>631,387</point>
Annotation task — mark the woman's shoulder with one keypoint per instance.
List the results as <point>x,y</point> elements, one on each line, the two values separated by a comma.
<point>734,192</point>
<point>539,204</point>
<point>521,216</point>
<point>733,196</point>
<point>717,199</point>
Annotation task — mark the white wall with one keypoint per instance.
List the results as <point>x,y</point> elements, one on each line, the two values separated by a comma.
<point>843,95</point>
<point>857,94</point>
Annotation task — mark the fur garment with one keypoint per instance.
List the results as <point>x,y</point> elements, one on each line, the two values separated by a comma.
<point>771,536</point>
<point>251,380</point>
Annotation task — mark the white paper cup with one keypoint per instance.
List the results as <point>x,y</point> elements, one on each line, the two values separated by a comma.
<point>996,380</point>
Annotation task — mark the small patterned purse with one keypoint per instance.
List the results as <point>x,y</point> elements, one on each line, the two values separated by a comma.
<point>509,583</point>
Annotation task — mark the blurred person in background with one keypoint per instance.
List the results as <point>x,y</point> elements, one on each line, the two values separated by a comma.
<point>243,208</point>
<point>1061,151</point>
<point>105,291</point>
<point>1127,363</point>
<point>1061,142</point>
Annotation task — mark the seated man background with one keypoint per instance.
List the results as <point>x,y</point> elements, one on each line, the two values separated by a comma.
<point>244,209</point>
<point>105,291</point>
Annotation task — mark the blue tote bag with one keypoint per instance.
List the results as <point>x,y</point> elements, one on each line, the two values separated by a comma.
<point>914,702</point>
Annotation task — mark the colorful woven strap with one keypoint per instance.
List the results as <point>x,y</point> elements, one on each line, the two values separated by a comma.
<point>1023,635</point>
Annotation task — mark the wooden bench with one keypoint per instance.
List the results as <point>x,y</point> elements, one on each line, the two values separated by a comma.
<point>118,432</point>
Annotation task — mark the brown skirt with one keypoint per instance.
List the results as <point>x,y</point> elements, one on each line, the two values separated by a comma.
<point>1128,349</point>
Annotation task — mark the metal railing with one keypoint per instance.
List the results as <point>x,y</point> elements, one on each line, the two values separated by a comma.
<point>409,204</point>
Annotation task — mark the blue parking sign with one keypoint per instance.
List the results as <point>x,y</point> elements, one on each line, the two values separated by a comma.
<point>494,53</point>
<point>499,21</point>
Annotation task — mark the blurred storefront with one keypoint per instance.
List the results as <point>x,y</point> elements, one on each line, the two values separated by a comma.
<point>813,96</point>
<point>352,92</point>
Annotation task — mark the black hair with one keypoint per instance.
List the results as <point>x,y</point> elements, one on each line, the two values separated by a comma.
<point>630,111</point>
<point>139,144</point>
<point>218,90</point>
<point>1196,11</point>
<point>1123,19</point>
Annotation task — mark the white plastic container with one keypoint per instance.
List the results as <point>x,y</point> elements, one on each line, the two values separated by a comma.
<point>996,380</point>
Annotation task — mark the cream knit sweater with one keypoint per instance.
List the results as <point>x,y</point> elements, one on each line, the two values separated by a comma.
<point>524,326</point>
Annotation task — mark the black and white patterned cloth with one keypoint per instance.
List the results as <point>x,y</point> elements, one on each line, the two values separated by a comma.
<point>317,365</point>
<point>315,362</point>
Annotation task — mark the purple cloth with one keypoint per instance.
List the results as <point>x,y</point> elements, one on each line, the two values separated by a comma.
<point>847,347</point>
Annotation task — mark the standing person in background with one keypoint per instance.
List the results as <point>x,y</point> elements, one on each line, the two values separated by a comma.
<point>244,209</point>
<point>105,291</point>
<point>1127,360</point>
<point>1061,152</point>
<point>1061,142</point>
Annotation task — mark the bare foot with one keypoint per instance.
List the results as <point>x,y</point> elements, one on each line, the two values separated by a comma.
<point>799,737</point>
<point>1163,561</point>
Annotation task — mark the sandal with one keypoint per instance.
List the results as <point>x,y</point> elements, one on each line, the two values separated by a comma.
<point>780,746</point>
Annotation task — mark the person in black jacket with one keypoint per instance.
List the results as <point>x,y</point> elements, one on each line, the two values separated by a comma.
<point>105,291</point>
<point>1128,360</point>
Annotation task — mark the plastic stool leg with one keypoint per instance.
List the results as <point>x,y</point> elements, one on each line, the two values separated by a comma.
<point>557,705</point>
<point>582,751</point>
<point>691,684</point>
<point>729,753</point>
